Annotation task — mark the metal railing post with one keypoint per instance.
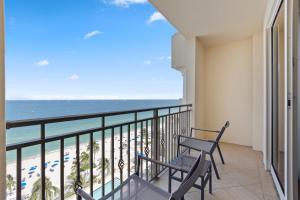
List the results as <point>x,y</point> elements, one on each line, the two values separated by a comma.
<point>155,142</point>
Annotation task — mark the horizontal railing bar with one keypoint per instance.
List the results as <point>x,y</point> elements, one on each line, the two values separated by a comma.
<point>31,122</point>
<point>38,141</point>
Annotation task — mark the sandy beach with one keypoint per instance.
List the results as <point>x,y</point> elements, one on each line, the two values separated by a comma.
<point>31,168</point>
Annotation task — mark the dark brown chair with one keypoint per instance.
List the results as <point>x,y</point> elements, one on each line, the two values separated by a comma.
<point>138,189</point>
<point>208,146</point>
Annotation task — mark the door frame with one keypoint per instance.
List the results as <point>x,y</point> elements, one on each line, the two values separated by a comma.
<point>290,132</point>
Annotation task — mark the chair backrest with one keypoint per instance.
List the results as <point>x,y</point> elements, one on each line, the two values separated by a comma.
<point>190,179</point>
<point>226,125</point>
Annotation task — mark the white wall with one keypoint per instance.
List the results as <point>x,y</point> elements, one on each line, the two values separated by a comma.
<point>228,90</point>
<point>200,89</point>
<point>224,82</point>
<point>184,60</point>
<point>258,92</point>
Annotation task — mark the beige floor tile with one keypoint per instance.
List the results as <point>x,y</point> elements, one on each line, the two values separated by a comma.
<point>243,177</point>
<point>270,197</point>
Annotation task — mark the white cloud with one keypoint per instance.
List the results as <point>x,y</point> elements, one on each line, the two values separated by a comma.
<point>160,58</point>
<point>147,62</point>
<point>156,16</point>
<point>169,57</point>
<point>125,3</point>
<point>42,63</point>
<point>92,34</point>
<point>74,77</point>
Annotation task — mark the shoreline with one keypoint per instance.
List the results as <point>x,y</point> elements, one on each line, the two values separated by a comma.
<point>11,159</point>
<point>52,159</point>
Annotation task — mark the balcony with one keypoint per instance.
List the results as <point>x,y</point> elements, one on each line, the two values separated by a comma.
<point>116,138</point>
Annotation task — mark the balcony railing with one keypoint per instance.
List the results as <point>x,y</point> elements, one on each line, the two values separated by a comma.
<point>115,138</point>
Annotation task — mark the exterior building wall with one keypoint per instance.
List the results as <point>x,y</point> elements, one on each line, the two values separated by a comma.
<point>228,90</point>
<point>200,87</point>
<point>224,82</point>
<point>184,60</point>
<point>258,101</point>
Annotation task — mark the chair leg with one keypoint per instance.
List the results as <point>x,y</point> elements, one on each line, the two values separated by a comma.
<point>202,189</point>
<point>181,175</point>
<point>214,165</point>
<point>221,156</point>
<point>170,181</point>
<point>210,181</point>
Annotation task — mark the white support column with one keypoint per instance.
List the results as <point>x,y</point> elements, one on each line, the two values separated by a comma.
<point>184,60</point>
<point>2,107</point>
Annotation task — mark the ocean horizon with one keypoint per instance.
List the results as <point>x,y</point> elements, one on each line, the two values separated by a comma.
<point>32,109</point>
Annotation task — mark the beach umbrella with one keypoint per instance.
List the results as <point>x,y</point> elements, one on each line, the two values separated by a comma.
<point>54,165</point>
<point>33,168</point>
<point>23,185</point>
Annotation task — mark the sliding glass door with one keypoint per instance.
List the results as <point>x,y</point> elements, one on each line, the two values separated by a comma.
<point>278,98</point>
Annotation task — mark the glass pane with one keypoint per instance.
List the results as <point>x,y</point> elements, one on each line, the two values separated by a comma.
<point>279,95</point>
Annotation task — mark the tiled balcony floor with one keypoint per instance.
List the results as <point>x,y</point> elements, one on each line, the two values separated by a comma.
<point>242,177</point>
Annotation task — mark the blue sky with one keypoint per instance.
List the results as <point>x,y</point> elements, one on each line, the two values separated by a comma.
<point>88,49</point>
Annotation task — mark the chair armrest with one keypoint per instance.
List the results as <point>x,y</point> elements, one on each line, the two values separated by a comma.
<point>79,191</point>
<point>193,138</point>
<point>205,130</point>
<point>141,157</point>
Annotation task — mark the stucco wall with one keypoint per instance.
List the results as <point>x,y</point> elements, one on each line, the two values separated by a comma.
<point>200,89</point>
<point>258,92</point>
<point>224,82</point>
<point>184,60</point>
<point>228,90</point>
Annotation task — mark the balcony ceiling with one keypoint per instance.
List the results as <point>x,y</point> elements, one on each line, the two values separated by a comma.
<point>214,20</point>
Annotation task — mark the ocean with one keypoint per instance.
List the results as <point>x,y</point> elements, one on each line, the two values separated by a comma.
<point>31,109</point>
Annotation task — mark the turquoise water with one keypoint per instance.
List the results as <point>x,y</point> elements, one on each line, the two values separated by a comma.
<point>18,110</point>
<point>97,194</point>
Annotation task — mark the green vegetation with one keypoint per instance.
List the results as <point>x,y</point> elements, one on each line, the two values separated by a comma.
<point>10,183</point>
<point>50,190</point>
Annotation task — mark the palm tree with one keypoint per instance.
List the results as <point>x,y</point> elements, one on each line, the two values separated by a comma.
<point>96,148</point>
<point>10,183</point>
<point>72,178</point>
<point>84,161</point>
<point>71,181</point>
<point>106,165</point>
<point>50,190</point>
<point>84,171</point>
<point>144,131</point>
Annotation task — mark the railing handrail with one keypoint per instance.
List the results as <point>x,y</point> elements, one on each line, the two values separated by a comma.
<point>53,138</point>
<point>49,120</point>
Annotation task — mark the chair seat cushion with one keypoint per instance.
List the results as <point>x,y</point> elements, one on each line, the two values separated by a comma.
<point>137,188</point>
<point>199,145</point>
<point>186,162</point>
